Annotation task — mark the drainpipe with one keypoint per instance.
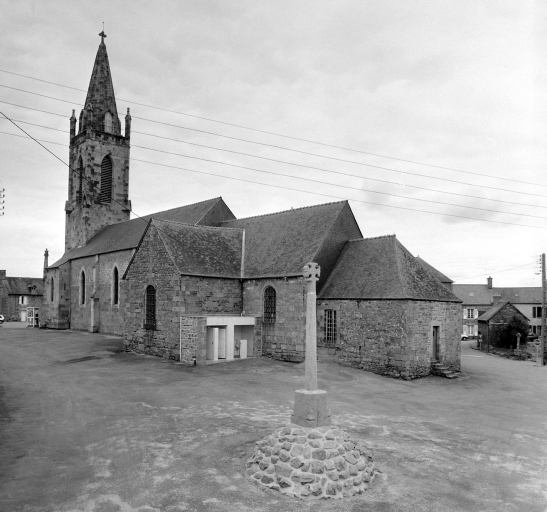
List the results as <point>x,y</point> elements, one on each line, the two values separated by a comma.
<point>180,339</point>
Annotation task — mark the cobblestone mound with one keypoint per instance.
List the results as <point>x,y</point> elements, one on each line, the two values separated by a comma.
<point>311,463</point>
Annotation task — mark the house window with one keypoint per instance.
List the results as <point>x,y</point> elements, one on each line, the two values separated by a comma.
<point>23,300</point>
<point>269,312</point>
<point>331,327</point>
<point>52,288</point>
<point>471,313</point>
<point>115,286</point>
<point>536,329</point>
<point>150,308</point>
<point>80,173</point>
<point>106,180</point>
<point>536,311</point>
<point>82,288</point>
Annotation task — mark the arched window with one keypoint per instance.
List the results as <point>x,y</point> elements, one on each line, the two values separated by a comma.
<point>106,180</point>
<point>82,287</point>
<point>115,286</point>
<point>269,305</point>
<point>80,178</point>
<point>52,288</point>
<point>150,307</point>
<point>108,122</point>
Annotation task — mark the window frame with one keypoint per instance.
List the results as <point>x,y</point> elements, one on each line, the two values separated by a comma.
<point>150,302</point>
<point>115,298</point>
<point>82,288</point>
<point>269,305</point>
<point>330,327</point>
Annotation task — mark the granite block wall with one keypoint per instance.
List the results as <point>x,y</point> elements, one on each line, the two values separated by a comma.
<point>176,296</point>
<point>394,337</point>
<point>284,339</point>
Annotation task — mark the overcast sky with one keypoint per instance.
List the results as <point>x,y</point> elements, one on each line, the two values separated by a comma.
<point>455,84</point>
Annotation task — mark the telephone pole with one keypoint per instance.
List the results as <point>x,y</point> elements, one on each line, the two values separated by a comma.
<point>541,361</point>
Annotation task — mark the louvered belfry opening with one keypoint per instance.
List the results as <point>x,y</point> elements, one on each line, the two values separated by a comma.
<point>106,180</point>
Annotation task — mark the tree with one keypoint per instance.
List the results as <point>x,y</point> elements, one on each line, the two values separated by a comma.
<point>508,338</point>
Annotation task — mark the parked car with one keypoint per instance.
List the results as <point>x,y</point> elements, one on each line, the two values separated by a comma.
<point>464,337</point>
<point>1,319</point>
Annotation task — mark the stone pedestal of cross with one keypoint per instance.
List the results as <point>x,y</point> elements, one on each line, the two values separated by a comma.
<point>310,404</point>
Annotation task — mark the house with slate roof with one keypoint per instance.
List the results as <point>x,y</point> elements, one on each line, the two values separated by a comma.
<point>492,323</point>
<point>18,295</point>
<point>477,299</point>
<point>197,285</point>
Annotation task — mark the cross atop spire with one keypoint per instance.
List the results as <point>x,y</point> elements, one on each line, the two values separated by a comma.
<point>102,34</point>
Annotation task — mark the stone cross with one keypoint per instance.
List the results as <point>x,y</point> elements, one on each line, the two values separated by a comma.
<point>103,35</point>
<point>311,276</point>
<point>310,404</point>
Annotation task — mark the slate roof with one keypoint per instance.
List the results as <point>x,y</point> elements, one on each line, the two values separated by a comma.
<point>381,268</point>
<point>19,285</point>
<point>432,270</point>
<point>493,311</point>
<point>280,244</point>
<point>127,235</point>
<point>202,250</point>
<point>483,295</point>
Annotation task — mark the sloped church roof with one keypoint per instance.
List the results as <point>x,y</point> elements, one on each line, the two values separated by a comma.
<point>381,268</point>
<point>127,235</point>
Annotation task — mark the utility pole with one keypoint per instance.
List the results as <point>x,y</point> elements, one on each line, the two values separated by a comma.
<point>543,313</point>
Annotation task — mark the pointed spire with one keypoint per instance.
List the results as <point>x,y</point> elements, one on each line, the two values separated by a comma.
<point>100,93</point>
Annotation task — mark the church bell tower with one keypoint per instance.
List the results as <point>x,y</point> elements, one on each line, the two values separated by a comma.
<point>98,184</point>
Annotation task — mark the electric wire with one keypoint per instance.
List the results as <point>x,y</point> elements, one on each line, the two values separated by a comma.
<point>318,155</point>
<point>497,272</point>
<point>468,196</point>
<point>333,146</point>
<point>359,189</point>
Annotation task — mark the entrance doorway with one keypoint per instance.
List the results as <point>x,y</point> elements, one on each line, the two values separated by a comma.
<point>435,348</point>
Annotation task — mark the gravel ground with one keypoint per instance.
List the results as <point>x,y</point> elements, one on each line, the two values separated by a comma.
<point>86,427</point>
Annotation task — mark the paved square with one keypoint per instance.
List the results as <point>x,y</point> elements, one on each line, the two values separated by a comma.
<point>85,427</point>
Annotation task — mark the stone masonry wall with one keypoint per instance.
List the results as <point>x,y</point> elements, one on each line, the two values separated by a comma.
<point>55,314</point>
<point>395,337</point>
<point>176,296</point>
<point>283,340</point>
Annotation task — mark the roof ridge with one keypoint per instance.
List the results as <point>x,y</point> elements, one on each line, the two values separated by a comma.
<point>285,211</point>
<point>194,225</point>
<point>178,207</point>
<point>372,238</point>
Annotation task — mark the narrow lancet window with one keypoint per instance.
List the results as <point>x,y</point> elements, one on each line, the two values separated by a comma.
<point>115,286</point>
<point>150,307</point>
<point>82,288</point>
<point>269,312</point>
<point>108,122</point>
<point>80,178</point>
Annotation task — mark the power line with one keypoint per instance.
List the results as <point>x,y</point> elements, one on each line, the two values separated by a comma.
<point>333,146</point>
<point>324,156</point>
<point>498,271</point>
<point>336,184</point>
<point>318,181</point>
<point>468,196</point>
<point>337,197</point>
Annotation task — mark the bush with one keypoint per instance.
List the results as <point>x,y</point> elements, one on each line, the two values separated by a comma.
<point>508,335</point>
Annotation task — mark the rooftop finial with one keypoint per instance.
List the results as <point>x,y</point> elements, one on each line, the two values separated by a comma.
<point>102,34</point>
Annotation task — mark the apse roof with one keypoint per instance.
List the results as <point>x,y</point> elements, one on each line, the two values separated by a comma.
<point>381,268</point>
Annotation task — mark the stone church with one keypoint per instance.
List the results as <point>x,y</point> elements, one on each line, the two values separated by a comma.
<point>197,285</point>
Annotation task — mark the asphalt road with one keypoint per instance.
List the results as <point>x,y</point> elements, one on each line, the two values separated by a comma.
<point>85,427</point>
